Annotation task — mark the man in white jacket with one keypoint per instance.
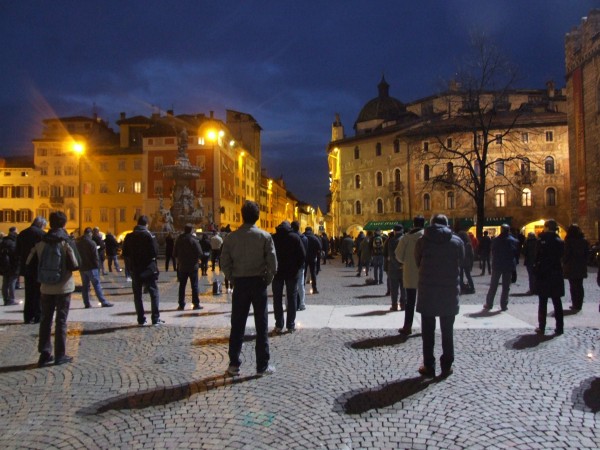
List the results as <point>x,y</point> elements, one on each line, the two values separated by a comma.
<point>405,254</point>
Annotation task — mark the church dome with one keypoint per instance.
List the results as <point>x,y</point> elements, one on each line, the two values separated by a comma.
<point>383,107</point>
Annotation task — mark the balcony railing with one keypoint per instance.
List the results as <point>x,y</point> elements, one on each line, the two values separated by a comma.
<point>526,177</point>
<point>57,200</point>
<point>396,187</point>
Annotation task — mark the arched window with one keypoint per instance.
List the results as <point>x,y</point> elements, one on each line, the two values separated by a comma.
<point>357,181</point>
<point>426,172</point>
<point>550,197</point>
<point>396,177</point>
<point>549,165</point>
<point>450,200</point>
<point>525,166</point>
<point>500,198</point>
<point>526,197</point>
<point>379,179</point>
<point>379,206</point>
<point>396,146</point>
<point>356,153</point>
<point>397,204</point>
<point>358,208</point>
<point>378,149</point>
<point>426,202</point>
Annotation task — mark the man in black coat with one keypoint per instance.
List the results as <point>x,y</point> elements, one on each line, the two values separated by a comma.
<point>26,240</point>
<point>89,268</point>
<point>10,274</point>
<point>97,238</point>
<point>187,252</point>
<point>291,257</point>
<point>140,251</point>
<point>312,253</point>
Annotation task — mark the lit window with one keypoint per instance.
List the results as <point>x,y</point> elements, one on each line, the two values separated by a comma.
<point>137,187</point>
<point>526,197</point>
<point>121,187</point>
<point>357,181</point>
<point>500,198</point>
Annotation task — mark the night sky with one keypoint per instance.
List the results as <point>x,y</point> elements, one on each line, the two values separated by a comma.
<point>291,65</point>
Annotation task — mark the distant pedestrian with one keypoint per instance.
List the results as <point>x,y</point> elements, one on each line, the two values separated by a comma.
<point>439,255</point>
<point>26,240</point>
<point>112,252</point>
<point>313,252</point>
<point>347,248</point>
<point>205,257</point>
<point>395,269</point>
<point>301,297</point>
<point>169,246</point>
<point>216,242</point>
<point>89,268</point>
<point>364,260</point>
<point>99,240</point>
<point>325,246</point>
<point>465,271</point>
<point>405,254</point>
<point>291,256</point>
<point>575,259</point>
<point>376,248</point>
<point>55,297</point>
<point>504,249</point>
<point>141,250</point>
<point>549,275</point>
<point>9,266</point>
<point>248,258</point>
<point>357,246</point>
<point>485,249</point>
<point>528,251</point>
<point>187,253</point>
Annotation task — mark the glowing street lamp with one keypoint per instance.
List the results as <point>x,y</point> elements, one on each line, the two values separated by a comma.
<point>79,150</point>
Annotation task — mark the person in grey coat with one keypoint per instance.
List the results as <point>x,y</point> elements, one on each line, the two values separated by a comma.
<point>439,255</point>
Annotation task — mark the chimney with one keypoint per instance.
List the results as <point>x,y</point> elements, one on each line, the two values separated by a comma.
<point>169,113</point>
<point>123,115</point>
<point>212,113</point>
<point>550,88</point>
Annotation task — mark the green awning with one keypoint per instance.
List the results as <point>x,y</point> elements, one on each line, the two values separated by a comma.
<point>386,225</point>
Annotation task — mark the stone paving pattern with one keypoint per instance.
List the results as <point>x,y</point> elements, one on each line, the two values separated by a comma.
<point>165,387</point>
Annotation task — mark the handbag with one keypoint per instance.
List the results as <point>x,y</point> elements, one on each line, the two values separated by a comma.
<point>150,272</point>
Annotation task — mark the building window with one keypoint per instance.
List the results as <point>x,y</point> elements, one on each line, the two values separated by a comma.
<point>379,206</point>
<point>137,164</point>
<point>158,188</point>
<point>378,149</point>
<point>44,190</point>
<point>426,202</point>
<point>477,167</point>
<point>549,136</point>
<point>169,141</point>
<point>42,212</point>
<point>158,163</point>
<point>397,205</point>
<point>449,143</point>
<point>499,139</point>
<point>42,152</point>
<point>122,214</point>
<point>356,153</point>
<point>22,192</point>
<point>525,137</point>
<point>549,165</point>
<point>88,188</point>
<point>201,161</point>
<point>44,171</point>
<point>137,187</point>
<point>103,214</point>
<point>104,166</point>
<point>550,197</point>
<point>396,146</point>
<point>397,178</point>
<point>55,191</point>
<point>104,188</point>
<point>57,171</point>
<point>71,212</point>
<point>425,146</point>
<point>70,191</point>
<point>121,187</point>
<point>499,167</point>
<point>24,215</point>
<point>426,172</point>
<point>358,207</point>
<point>379,179</point>
<point>122,165</point>
<point>450,200</point>
<point>357,181</point>
<point>525,166</point>
<point>500,198</point>
<point>7,215</point>
<point>450,170</point>
<point>87,214</point>
<point>5,192</point>
<point>70,170</point>
<point>526,197</point>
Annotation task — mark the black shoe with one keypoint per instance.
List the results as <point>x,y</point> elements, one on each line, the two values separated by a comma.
<point>447,371</point>
<point>141,323</point>
<point>180,308</point>
<point>486,307</point>
<point>315,292</point>
<point>198,307</point>
<point>107,305</point>
<point>11,303</point>
<point>63,360</point>
<point>427,372</point>
<point>395,308</point>
<point>87,306</point>
<point>540,331</point>
<point>558,332</point>
<point>301,308</point>
<point>504,308</point>
<point>405,331</point>
<point>45,359</point>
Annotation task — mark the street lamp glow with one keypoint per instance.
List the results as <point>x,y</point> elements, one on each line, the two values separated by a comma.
<point>211,135</point>
<point>78,148</point>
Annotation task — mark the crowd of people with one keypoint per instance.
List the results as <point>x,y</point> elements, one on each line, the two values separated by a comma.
<point>428,268</point>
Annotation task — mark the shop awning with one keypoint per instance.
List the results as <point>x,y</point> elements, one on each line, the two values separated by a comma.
<point>467,222</point>
<point>386,225</point>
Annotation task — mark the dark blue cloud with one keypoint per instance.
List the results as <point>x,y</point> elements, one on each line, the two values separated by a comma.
<point>292,65</point>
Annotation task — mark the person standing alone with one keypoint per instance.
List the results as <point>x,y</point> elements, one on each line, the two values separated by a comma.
<point>504,249</point>
<point>187,252</point>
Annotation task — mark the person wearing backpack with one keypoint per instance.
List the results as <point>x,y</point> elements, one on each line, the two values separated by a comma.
<point>56,257</point>
<point>9,266</point>
<point>26,240</point>
<point>376,247</point>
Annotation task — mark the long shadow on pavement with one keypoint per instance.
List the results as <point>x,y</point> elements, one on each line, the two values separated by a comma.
<point>19,368</point>
<point>586,397</point>
<point>162,395</point>
<point>371,296</point>
<point>383,341</point>
<point>483,313</point>
<point>98,331</point>
<point>372,313</point>
<point>361,401</point>
<point>526,341</point>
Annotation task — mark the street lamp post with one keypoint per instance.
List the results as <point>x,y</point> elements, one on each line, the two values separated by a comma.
<point>79,149</point>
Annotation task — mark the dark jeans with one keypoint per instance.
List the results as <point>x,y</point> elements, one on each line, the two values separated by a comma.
<point>249,291</point>
<point>312,266</point>
<point>531,276</point>
<point>136,285</point>
<point>377,262</point>
<point>91,277</point>
<point>50,304</point>
<point>409,313</point>
<point>183,278</point>
<point>506,277</point>
<point>428,330</point>
<point>9,281</point>
<point>485,260</point>
<point>168,258</point>
<point>215,258</point>
<point>575,286</point>
<point>32,309</point>
<point>558,312</point>
<point>204,263</point>
<point>397,289</point>
<point>464,273</point>
<point>291,294</point>
<point>113,260</point>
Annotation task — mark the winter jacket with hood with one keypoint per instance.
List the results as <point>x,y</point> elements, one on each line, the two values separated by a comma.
<point>505,249</point>
<point>139,249</point>
<point>187,252</point>
<point>576,256</point>
<point>548,269</point>
<point>439,254</point>
<point>290,251</point>
<point>405,253</point>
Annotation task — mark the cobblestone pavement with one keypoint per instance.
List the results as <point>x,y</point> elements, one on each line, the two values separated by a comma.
<point>164,387</point>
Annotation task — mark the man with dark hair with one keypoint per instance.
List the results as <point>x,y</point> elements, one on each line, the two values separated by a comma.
<point>112,252</point>
<point>485,248</point>
<point>504,249</point>
<point>290,257</point>
<point>313,252</point>
<point>55,297</point>
<point>187,252</point>
<point>248,259</point>
<point>26,240</point>
<point>140,250</point>
<point>10,266</point>
<point>439,254</point>
<point>89,268</point>
<point>301,296</point>
<point>405,254</point>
